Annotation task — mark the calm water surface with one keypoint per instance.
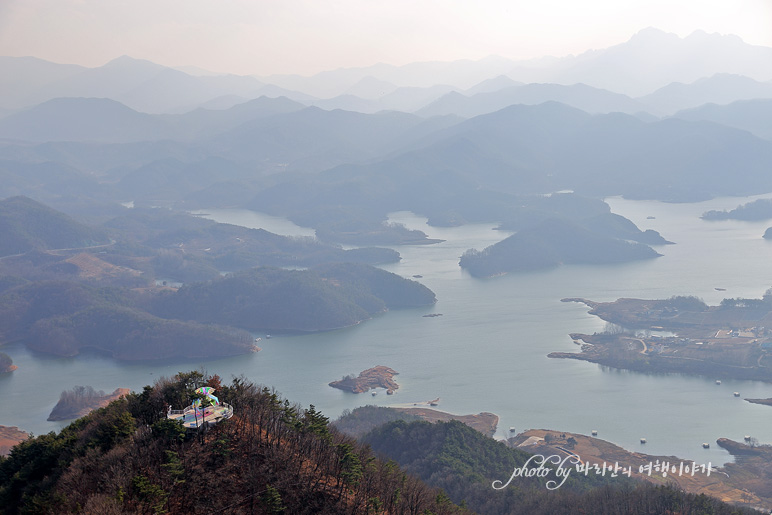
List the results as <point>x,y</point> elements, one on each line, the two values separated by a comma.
<point>488,350</point>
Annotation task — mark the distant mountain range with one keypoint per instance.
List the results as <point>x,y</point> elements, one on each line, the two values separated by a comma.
<point>552,147</point>
<point>104,120</point>
<point>81,119</point>
<point>408,161</point>
<point>479,146</point>
<point>650,60</point>
<point>721,88</point>
<point>751,115</point>
<point>639,68</point>
<point>139,84</point>
<point>581,96</point>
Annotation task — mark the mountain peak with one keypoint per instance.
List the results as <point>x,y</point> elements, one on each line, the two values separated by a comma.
<point>126,61</point>
<point>651,31</point>
<point>652,34</point>
<point>493,84</point>
<point>700,36</point>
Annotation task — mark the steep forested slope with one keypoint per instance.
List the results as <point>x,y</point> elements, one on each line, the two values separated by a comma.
<point>64,318</point>
<point>548,244</point>
<point>271,457</point>
<point>26,224</point>
<point>467,464</point>
<point>330,297</point>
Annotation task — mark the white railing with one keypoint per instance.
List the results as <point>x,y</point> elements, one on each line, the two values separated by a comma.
<point>217,410</point>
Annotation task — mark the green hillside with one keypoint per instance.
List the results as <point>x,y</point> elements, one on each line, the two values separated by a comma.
<point>26,225</point>
<point>271,457</point>
<point>275,457</point>
<point>274,299</point>
<point>465,464</point>
<point>549,244</point>
<point>64,318</point>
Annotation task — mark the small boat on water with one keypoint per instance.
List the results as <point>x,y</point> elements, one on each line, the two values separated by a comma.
<point>267,336</point>
<point>643,440</point>
<point>706,445</point>
<point>512,430</point>
<point>718,382</point>
<point>736,394</point>
<point>594,432</point>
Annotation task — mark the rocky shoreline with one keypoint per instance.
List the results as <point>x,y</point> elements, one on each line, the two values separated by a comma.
<point>67,409</point>
<point>10,436</point>
<point>6,363</point>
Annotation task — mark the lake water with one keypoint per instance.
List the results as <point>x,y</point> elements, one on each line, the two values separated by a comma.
<point>488,350</point>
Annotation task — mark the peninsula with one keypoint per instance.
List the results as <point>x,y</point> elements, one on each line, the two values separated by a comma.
<point>81,400</point>
<point>760,209</point>
<point>151,284</point>
<point>6,363</point>
<point>548,244</point>
<point>765,402</point>
<point>683,335</point>
<point>376,377</point>
<point>10,436</point>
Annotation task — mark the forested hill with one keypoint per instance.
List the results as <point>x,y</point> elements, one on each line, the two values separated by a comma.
<point>549,244</point>
<point>275,457</point>
<point>115,299</point>
<point>271,457</point>
<point>465,464</point>
<point>329,297</point>
<point>62,318</point>
<point>26,225</point>
<point>201,319</point>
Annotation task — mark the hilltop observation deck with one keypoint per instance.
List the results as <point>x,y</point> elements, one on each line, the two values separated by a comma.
<point>194,417</point>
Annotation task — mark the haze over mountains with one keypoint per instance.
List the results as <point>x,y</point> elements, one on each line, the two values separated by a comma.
<point>649,60</point>
<point>639,69</point>
<point>456,142</point>
<point>750,115</point>
<point>111,179</point>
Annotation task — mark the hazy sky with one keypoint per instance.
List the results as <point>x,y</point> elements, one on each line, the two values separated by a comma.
<point>263,37</point>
